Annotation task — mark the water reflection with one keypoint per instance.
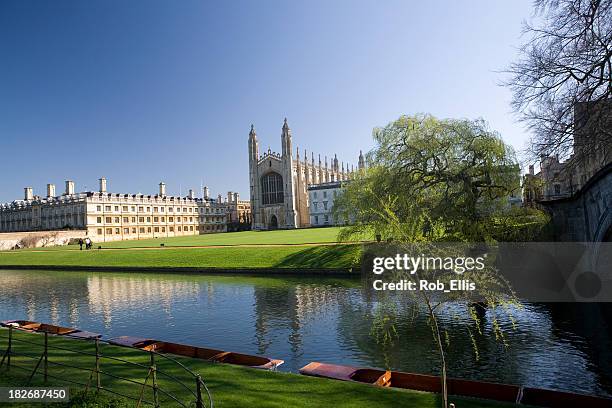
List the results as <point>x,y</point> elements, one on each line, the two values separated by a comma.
<point>302,320</point>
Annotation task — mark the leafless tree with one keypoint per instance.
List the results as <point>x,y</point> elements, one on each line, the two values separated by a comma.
<point>561,83</point>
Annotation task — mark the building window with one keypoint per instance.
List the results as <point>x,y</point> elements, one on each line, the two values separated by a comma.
<point>109,231</point>
<point>126,230</point>
<point>98,208</point>
<point>125,208</point>
<point>108,220</point>
<point>117,231</point>
<point>325,194</point>
<point>100,231</point>
<point>272,189</point>
<point>107,208</point>
<point>116,208</point>
<point>99,220</point>
<point>316,219</point>
<point>325,205</point>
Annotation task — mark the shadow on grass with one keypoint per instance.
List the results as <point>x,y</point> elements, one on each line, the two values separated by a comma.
<point>337,256</point>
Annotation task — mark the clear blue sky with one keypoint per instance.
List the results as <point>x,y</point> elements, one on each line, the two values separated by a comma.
<point>143,91</point>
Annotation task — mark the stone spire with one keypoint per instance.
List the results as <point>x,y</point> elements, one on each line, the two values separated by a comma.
<point>252,133</point>
<point>286,139</point>
<point>335,165</point>
<point>361,163</point>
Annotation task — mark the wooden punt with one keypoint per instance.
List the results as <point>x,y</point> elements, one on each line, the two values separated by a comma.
<point>465,388</point>
<point>215,355</point>
<point>37,327</point>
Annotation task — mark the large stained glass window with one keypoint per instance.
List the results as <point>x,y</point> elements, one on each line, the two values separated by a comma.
<point>272,188</point>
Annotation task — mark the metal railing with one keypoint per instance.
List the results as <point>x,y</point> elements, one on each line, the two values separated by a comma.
<point>196,391</point>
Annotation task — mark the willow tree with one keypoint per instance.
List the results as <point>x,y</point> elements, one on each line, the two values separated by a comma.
<point>449,179</point>
<point>431,181</point>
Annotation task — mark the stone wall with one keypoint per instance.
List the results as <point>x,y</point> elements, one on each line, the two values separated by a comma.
<point>38,239</point>
<point>587,215</point>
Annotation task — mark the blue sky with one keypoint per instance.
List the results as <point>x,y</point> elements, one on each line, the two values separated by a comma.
<point>143,91</point>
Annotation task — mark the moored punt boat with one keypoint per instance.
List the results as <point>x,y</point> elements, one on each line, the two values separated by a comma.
<point>466,388</point>
<point>37,327</point>
<point>185,350</point>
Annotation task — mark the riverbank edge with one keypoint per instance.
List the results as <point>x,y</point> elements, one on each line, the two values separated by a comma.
<point>256,271</point>
<point>287,387</point>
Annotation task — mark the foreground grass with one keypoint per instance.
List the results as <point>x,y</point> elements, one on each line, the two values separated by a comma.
<point>231,386</point>
<point>324,257</point>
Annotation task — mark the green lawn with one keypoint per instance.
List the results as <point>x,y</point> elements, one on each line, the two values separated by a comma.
<point>325,257</point>
<point>299,236</point>
<point>231,386</point>
<point>278,237</point>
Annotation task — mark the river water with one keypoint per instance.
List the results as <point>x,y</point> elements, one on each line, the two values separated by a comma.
<point>557,346</point>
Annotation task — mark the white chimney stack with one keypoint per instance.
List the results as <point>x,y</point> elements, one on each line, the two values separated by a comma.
<point>50,190</point>
<point>28,193</point>
<point>206,192</point>
<point>236,197</point>
<point>191,195</point>
<point>69,187</point>
<point>162,189</point>
<point>102,184</point>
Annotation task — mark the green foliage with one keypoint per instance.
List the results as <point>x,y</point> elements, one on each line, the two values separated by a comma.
<point>444,180</point>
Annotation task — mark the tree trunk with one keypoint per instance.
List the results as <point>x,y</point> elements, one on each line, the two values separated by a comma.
<point>438,339</point>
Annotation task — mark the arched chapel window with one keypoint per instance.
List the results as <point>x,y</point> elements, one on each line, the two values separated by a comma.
<point>272,189</point>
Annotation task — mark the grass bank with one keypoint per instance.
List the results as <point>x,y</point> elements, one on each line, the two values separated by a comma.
<point>231,386</point>
<point>277,237</point>
<point>308,257</point>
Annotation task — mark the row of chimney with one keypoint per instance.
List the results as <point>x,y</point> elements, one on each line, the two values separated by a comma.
<point>29,192</point>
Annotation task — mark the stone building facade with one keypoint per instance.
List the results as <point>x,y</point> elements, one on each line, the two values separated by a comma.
<point>113,217</point>
<point>321,198</point>
<point>238,213</point>
<point>592,151</point>
<point>279,182</point>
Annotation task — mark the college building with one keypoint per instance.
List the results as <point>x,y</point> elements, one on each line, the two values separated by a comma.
<point>280,184</point>
<point>112,216</point>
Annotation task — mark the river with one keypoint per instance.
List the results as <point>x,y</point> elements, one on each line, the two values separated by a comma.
<point>557,346</point>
